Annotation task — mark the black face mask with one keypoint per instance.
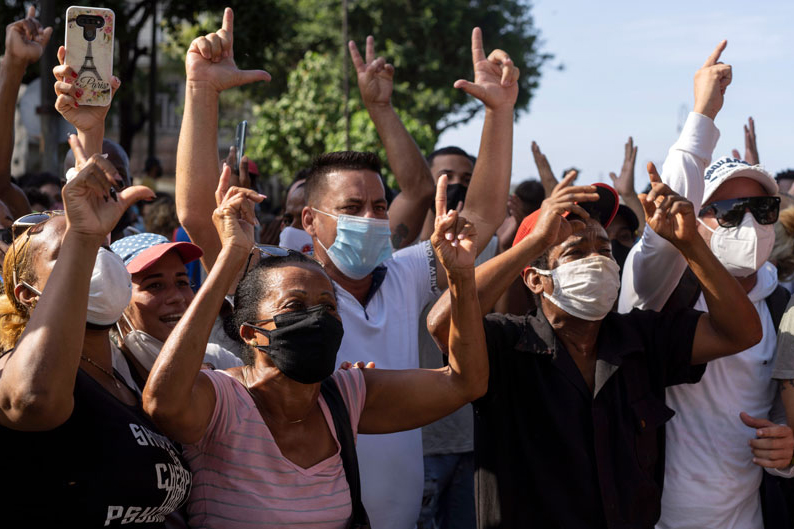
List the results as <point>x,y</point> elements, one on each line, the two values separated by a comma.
<point>620,253</point>
<point>304,343</point>
<point>455,193</point>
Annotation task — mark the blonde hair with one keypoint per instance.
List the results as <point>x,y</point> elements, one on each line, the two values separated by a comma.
<point>14,315</point>
<point>783,251</point>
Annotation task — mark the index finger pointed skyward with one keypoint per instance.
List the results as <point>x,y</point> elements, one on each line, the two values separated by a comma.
<point>228,22</point>
<point>358,62</point>
<point>715,55</point>
<point>477,51</point>
<point>441,196</point>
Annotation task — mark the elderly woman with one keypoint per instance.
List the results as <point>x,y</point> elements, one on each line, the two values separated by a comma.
<point>76,435</point>
<point>262,440</point>
<point>161,293</point>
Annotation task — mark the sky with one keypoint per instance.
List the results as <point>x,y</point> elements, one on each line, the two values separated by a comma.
<point>628,71</point>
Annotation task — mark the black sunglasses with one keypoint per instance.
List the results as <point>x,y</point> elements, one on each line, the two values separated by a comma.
<point>729,213</point>
<point>266,251</point>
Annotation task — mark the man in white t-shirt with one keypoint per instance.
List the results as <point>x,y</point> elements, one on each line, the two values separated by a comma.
<point>721,434</point>
<point>380,298</point>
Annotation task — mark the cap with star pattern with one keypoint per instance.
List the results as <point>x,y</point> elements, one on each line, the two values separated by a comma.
<point>142,250</point>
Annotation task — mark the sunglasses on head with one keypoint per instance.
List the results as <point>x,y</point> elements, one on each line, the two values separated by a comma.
<point>266,251</point>
<point>27,223</point>
<point>729,213</point>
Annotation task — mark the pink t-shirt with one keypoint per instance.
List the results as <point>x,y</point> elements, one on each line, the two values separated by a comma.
<point>241,479</point>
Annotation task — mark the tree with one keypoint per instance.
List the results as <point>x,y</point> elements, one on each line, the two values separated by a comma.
<point>426,40</point>
<point>308,120</point>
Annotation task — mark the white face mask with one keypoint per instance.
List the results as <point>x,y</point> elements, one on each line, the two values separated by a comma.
<point>142,345</point>
<point>742,250</point>
<point>110,291</point>
<point>586,288</point>
<point>296,239</point>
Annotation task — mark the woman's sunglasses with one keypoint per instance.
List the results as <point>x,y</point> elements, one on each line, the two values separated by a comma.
<point>266,251</point>
<point>729,213</point>
<point>26,223</point>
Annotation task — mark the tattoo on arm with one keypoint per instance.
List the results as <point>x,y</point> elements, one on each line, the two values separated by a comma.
<point>399,235</point>
<point>786,384</point>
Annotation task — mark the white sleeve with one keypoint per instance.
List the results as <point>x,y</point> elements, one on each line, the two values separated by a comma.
<point>654,267</point>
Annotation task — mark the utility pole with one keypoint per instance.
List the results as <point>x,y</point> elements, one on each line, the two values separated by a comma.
<point>153,86</point>
<point>50,119</point>
<point>345,74</point>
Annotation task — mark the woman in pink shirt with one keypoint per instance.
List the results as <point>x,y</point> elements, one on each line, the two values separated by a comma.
<point>260,439</point>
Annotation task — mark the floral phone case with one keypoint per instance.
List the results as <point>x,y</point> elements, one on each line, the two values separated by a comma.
<point>89,51</point>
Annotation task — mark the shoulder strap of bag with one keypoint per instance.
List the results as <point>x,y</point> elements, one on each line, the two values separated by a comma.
<point>777,302</point>
<point>344,433</point>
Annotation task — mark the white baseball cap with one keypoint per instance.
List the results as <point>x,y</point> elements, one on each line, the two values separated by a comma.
<point>726,168</point>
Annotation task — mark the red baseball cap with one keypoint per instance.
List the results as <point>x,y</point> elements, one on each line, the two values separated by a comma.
<point>142,250</point>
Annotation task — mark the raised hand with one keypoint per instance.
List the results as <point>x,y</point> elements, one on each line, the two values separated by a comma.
<point>669,214</point>
<point>495,77</point>
<point>234,216</point>
<point>750,145</point>
<point>85,118</point>
<point>210,59</point>
<point>711,81</point>
<point>544,170</point>
<point>92,199</point>
<point>552,227</point>
<point>26,40</point>
<point>374,76</point>
<point>454,238</point>
<point>624,184</point>
<point>774,443</point>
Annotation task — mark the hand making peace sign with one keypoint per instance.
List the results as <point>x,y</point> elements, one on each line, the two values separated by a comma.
<point>374,76</point>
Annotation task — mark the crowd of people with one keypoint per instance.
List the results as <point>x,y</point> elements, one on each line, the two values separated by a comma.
<point>176,361</point>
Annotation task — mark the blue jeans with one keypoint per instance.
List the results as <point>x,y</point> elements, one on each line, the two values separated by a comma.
<point>448,500</point>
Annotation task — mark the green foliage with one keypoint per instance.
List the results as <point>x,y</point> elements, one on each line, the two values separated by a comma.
<point>428,41</point>
<point>308,120</point>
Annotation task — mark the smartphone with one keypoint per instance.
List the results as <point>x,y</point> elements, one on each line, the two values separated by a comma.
<point>239,142</point>
<point>89,51</point>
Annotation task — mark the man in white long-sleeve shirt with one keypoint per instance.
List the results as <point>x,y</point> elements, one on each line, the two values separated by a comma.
<point>712,476</point>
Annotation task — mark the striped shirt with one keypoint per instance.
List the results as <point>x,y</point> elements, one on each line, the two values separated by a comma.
<point>242,480</point>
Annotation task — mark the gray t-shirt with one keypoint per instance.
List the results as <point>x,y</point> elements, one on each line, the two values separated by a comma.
<point>784,359</point>
<point>454,434</point>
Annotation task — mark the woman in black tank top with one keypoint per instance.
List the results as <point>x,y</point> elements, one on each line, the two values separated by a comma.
<point>78,450</point>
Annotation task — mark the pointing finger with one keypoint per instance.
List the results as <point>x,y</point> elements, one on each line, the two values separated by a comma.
<point>228,23</point>
<point>358,62</point>
<point>441,195</point>
<point>715,55</point>
<point>223,183</point>
<point>477,51</point>
<point>32,12</point>
<point>653,174</point>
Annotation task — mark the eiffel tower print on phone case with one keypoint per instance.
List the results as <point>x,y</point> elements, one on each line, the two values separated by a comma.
<point>89,51</point>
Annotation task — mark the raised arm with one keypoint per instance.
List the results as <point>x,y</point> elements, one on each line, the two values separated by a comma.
<point>407,211</point>
<point>37,378</point>
<point>654,267</point>
<point>24,43</point>
<point>210,69</point>
<point>402,400</point>
<point>496,275</point>
<point>624,184</point>
<point>496,85</point>
<point>732,323</point>
<point>179,399</point>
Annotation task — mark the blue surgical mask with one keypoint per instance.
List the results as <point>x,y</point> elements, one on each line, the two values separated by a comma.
<point>361,244</point>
